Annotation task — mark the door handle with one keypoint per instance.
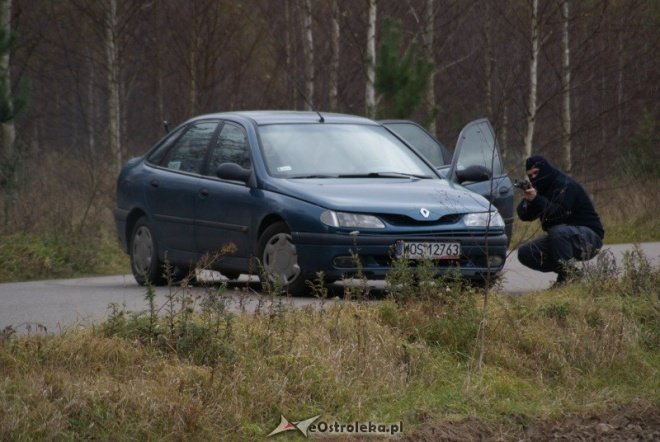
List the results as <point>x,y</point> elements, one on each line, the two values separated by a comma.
<point>154,183</point>
<point>204,192</point>
<point>504,190</point>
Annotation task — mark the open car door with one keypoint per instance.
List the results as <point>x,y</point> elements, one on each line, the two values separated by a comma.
<point>476,156</point>
<point>476,164</point>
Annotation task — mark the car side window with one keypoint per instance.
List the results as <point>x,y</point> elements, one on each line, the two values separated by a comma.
<point>419,139</point>
<point>231,147</point>
<point>188,153</point>
<point>159,153</point>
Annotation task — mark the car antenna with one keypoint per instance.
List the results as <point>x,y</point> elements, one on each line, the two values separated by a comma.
<point>304,97</point>
<point>166,125</point>
<point>295,85</point>
<point>311,106</point>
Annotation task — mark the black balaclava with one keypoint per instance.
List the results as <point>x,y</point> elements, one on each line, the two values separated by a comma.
<point>547,173</point>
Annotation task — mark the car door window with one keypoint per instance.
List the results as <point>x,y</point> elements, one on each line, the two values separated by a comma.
<point>158,154</point>
<point>421,141</point>
<point>477,147</point>
<point>231,147</point>
<point>188,153</point>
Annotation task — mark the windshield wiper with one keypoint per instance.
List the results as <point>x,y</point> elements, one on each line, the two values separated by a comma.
<point>312,176</point>
<point>361,175</point>
<point>383,175</point>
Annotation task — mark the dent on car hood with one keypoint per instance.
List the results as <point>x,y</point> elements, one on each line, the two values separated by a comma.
<point>391,196</point>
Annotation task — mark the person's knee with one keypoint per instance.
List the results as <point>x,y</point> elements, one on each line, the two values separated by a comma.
<point>561,232</point>
<point>589,244</point>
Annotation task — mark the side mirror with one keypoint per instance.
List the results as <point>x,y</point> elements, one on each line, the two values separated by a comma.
<point>474,174</point>
<point>233,172</point>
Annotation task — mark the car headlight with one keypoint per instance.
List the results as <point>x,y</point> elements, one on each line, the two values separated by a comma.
<point>351,220</point>
<point>483,219</point>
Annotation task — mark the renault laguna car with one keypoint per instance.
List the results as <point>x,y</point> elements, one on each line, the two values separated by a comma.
<point>303,192</point>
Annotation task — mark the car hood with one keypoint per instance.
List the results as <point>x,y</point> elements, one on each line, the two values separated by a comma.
<point>384,195</point>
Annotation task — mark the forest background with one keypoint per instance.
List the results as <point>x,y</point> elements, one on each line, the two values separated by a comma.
<point>86,84</point>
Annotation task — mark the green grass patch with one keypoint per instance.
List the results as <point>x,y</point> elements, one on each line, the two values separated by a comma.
<point>40,256</point>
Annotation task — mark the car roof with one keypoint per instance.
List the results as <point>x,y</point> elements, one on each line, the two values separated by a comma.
<point>284,117</point>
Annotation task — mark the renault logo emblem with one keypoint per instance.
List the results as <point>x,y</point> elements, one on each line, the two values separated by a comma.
<point>425,212</point>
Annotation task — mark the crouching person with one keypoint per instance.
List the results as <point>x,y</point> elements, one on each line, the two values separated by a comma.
<point>567,215</point>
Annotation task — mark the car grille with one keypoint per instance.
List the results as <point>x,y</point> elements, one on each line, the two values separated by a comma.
<point>403,220</point>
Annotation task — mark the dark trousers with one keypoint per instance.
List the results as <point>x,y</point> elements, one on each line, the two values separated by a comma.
<point>552,252</point>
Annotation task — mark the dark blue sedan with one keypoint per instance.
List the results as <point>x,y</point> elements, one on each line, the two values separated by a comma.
<point>301,192</point>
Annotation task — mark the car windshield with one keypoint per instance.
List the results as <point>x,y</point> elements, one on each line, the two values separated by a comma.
<point>327,150</point>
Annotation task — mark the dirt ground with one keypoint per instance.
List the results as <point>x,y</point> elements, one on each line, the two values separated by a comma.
<point>640,422</point>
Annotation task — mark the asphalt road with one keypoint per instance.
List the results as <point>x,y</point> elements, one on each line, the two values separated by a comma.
<point>55,305</point>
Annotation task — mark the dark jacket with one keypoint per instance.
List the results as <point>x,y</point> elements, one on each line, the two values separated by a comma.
<point>559,200</point>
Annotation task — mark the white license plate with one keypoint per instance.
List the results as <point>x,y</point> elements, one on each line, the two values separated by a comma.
<point>428,250</point>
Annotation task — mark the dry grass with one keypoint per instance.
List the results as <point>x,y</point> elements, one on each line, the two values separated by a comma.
<point>629,210</point>
<point>219,376</point>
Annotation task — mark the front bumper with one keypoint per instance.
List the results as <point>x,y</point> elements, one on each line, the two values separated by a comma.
<point>337,254</point>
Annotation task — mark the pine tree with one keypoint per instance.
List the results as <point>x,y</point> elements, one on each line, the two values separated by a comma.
<point>401,79</point>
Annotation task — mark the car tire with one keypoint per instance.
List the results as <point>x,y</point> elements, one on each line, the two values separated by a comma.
<point>145,263</point>
<point>279,259</point>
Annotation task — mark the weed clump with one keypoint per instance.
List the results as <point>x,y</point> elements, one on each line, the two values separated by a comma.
<point>438,310</point>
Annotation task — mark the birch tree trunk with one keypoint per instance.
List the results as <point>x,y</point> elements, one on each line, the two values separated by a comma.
<point>192,61</point>
<point>370,91</point>
<point>308,49</point>
<point>504,132</point>
<point>619,89</point>
<point>112,61</point>
<point>8,157</point>
<point>334,59</point>
<point>159,66</point>
<point>160,93</point>
<point>192,90</point>
<point>288,22</point>
<point>533,80</point>
<point>488,61</point>
<point>8,127</point>
<point>566,90</point>
<point>428,43</point>
<point>91,111</point>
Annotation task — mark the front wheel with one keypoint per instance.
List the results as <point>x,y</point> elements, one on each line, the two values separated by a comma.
<point>145,264</point>
<point>279,258</point>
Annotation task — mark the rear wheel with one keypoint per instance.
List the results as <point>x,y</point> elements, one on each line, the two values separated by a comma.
<point>279,258</point>
<point>145,264</point>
